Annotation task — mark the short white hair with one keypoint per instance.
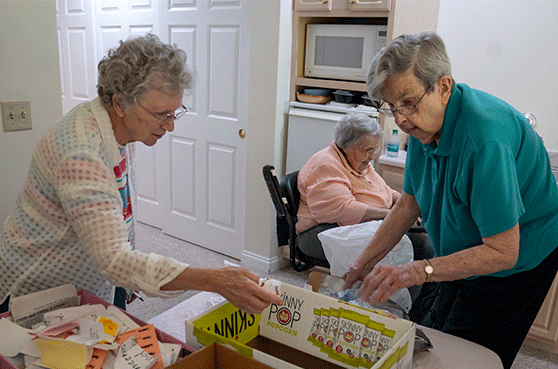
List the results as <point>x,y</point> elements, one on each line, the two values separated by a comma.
<point>352,126</point>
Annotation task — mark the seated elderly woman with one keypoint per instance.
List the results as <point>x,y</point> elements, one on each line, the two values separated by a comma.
<point>338,186</point>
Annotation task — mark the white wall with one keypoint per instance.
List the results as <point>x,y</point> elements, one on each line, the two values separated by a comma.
<point>267,90</point>
<point>509,49</point>
<point>29,70</point>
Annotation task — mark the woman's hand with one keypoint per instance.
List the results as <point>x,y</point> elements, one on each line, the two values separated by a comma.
<point>384,280</point>
<point>240,287</point>
<point>355,273</point>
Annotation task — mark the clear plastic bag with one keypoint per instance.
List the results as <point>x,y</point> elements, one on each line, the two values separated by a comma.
<point>342,245</point>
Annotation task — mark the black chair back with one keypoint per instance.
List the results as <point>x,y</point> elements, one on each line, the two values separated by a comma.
<point>289,185</point>
<point>277,197</point>
<point>285,198</point>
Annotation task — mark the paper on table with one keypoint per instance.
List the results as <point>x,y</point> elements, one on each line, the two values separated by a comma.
<point>54,317</point>
<point>13,338</point>
<point>109,361</point>
<point>91,333</point>
<point>97,359</point>
<point>169,352</point>
<point>63,354</point>
<point>124,321</point>
<point>29,309</point>
<point>146,338</point>
<point>132,356</point>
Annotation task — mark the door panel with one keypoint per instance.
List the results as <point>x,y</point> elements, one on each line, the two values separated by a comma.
<point>76,48</point>
<point>223,72</point>
<point>150,183</point>
<point>221,189</point>
<point>183,181</point>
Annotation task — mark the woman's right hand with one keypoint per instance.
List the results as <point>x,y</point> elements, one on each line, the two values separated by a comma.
<point>355,273</point>
<point>236,284</point>
<point>240,287</point>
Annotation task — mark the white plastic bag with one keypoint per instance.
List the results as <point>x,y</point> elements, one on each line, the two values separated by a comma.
<point>342,245</point>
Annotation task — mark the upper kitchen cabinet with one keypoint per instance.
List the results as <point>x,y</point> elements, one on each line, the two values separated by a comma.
<point>400,16</point>
<point>351,5</point>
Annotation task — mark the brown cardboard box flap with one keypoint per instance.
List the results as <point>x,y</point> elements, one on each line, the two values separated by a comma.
<point>219,357</point>
<point>315,280</point>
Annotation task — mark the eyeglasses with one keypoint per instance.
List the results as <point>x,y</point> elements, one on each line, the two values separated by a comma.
<point>405,109</point>
<point>165,117</point>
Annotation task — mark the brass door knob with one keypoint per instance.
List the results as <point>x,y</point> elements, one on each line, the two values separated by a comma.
<point>242,133</point>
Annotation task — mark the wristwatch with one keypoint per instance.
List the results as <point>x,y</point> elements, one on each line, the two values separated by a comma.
<point>428,269</point>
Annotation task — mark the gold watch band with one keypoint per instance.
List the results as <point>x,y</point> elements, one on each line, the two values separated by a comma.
<point>428,270</point>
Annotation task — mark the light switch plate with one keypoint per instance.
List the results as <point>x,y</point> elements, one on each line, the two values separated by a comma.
<point>16,115</point>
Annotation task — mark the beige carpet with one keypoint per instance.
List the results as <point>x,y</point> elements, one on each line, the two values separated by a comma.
<point>151,239</point>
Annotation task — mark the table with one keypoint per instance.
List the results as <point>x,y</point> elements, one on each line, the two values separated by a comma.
<point>448,352</point>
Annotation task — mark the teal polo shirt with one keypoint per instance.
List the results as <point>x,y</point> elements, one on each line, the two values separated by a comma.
<point>489,171</point>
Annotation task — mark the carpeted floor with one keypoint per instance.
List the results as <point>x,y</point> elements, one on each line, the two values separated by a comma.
<point>151,239</point>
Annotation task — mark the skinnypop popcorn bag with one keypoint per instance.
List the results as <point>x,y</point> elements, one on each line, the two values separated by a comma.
<point>324,328</point>
<point>331,337</point>
<point>313,337</point>
<point>385,342</point>
<point>349,336</point>
<point>370,341</point>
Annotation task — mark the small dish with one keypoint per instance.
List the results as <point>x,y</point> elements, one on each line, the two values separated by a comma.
<point>317,91</point>
<point>345,97</point>
<point>312,99</point>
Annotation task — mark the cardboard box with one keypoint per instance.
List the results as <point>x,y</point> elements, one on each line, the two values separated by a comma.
<point>89,298</point>
<point>283,336</point>
<point>217,356</point>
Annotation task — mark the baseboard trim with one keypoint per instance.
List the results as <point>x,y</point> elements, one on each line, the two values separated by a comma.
<point>257,262</point>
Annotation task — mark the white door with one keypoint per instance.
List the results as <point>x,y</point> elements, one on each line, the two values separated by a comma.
<point>76,49</point>
<point>204,161</point>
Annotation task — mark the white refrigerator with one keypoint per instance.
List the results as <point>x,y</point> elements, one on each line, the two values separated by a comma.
<point>311,128</point>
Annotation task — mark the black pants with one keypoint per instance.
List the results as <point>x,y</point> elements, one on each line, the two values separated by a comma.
<point>495,312</point>
<point>309,243</point>
<point>120,298</point>
<point>5,305</point>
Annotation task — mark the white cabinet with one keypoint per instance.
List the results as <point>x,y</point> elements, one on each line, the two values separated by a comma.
<point>313,5</point>
<point>351,5</point>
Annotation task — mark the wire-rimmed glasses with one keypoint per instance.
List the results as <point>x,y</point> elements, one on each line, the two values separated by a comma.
<point>405,109</point>
<point>162,118</point>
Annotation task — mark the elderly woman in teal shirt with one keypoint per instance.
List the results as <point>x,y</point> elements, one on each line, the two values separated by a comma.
<point>480,177</point>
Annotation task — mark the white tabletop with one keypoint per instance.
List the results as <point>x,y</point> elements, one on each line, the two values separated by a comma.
<point>448,352</point>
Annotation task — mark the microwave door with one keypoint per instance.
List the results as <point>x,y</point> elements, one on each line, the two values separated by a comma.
<point>340,51</point>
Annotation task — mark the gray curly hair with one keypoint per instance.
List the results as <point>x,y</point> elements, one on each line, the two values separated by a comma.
<point>352,126</point>
<point>139,65</point>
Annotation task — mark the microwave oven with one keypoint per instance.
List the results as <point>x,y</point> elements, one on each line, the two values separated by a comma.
<point>342,51</point>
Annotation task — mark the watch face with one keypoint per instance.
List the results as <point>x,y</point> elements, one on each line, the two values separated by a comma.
<point>428,269</point>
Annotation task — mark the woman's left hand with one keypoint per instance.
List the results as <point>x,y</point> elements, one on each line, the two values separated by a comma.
<point>384,280</point>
